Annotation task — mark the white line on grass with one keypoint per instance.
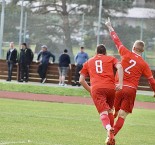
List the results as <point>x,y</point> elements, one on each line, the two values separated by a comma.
<point>13,142</point>
<point>25,142</point>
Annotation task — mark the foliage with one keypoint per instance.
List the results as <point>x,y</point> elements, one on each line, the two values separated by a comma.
<point>65,20</point>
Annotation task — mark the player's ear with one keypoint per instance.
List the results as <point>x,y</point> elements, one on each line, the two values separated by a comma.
<point>134,48</point>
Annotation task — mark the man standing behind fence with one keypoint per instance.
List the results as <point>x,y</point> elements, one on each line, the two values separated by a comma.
<point>11,59</point>
<point>64,65</point>
<point>25,59</point>
<point>44,57</point>
<point>80,59</point>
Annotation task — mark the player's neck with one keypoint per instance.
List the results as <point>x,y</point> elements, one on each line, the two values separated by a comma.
<point>138,53</point>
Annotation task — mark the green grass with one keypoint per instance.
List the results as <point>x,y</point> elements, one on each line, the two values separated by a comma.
<point>41,89</point>
<point>45,123</point>
<point>144,98</point>
<point>56,90</point>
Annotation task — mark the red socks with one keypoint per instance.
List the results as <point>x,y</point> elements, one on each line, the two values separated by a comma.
<point>105,121</point>
<point>111,117</point>
<point>118,125</point>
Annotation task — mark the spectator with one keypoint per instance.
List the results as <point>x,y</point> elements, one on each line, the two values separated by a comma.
<point>80,59</point>
<point>11,59</point>
<point>25,59</point>
<point>45,55</point>
<point>64,65</point>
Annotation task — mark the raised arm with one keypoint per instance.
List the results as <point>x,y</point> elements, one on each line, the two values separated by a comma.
<point>152,84</point>
<point>121,48</point>
<point>113,34</point>
<point>148,74</point>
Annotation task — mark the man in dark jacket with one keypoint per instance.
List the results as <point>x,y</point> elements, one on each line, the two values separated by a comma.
<point>64,66</point>
<point>44,57</point>
<point>25,59</point>
<point>11,59</point>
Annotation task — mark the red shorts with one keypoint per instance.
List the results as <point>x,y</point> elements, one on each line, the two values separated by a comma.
<point>125,99</point>
<point>103,99</point>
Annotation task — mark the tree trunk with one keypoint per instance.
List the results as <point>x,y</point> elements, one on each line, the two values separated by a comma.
<point>66,29</point>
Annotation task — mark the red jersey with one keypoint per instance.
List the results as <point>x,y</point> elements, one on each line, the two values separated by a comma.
<point>134,65</point>
<point>100,70</point>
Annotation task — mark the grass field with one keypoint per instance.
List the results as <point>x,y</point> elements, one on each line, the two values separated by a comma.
<point>57,90</point>
<point>42,123</point>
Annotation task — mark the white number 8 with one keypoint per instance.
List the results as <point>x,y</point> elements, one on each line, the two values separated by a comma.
<point>99,68</point>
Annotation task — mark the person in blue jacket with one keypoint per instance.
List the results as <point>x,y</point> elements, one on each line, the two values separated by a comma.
<point>44,57</point>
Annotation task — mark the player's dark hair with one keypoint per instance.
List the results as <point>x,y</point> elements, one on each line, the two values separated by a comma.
<point>82,47</point>
<point>101,49</point>
<point>65,51</point>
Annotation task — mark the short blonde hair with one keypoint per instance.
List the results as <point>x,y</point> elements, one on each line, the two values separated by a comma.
<point>139,45</point>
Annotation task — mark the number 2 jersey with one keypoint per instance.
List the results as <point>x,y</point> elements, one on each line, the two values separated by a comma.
<point>100,69</point>
<point>134,65</point>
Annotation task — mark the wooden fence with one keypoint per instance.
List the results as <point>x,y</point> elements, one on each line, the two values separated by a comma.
<point>53,74</point>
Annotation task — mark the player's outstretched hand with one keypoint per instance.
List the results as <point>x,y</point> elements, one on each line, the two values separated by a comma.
<point>118,87</point>
<point>108,24</point>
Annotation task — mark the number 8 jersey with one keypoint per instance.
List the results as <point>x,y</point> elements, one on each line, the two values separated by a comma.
<point>134,65</point>
<point>100,69</point>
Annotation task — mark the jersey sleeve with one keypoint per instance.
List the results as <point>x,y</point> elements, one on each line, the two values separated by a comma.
<point>147,72</point>
<point>84,70</point>
<point>115,62</point>
<point>120,47</point>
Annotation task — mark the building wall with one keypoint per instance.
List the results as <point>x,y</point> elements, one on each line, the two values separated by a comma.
<point>144,3</point>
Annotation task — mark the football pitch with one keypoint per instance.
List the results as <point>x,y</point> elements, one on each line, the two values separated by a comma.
<point>42,123</point>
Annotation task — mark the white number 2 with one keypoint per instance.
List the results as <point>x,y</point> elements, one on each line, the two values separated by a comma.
<point>133,63</point>
<point>99,68</point>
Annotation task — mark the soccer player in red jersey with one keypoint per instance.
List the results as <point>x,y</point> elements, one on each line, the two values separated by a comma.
<point>100,69</point>
<point>134,66</point>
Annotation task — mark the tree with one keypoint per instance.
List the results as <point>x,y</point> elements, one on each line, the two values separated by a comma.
<point>66,24</point>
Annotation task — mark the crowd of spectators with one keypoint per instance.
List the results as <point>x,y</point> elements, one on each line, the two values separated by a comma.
<point>25,58</point>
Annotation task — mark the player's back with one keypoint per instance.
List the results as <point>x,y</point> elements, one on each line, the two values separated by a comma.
<point>101,71</point>
<point>134,66</point>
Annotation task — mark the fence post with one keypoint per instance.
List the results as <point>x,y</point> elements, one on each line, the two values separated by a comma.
<point>70,75</point>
